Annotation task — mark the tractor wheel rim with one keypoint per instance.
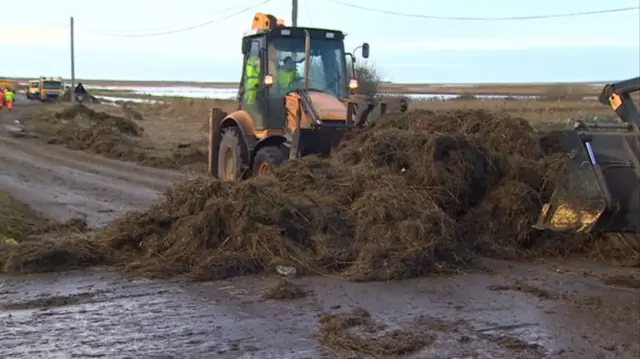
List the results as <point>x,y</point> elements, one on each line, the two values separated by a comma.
<point>264,169</point>
<point>229,165</point>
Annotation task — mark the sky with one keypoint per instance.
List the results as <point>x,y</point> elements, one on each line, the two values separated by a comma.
<point>405,49</point>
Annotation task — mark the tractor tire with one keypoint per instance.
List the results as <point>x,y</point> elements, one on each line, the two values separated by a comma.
<point>231,155</point>
<point>268,158</point>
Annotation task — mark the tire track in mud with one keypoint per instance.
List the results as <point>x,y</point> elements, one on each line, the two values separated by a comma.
<point>62,193</point>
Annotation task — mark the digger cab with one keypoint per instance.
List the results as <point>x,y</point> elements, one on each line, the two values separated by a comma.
<point>295,80</point>
<point>600,188</point>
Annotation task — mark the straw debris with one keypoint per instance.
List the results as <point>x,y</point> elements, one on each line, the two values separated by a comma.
<point>384,206</point>
<point>285,290</point>
<point>357,332</point>
<point>413,194</point>
<point>47,255</point>
<point>116,135</point>
<point>27,244</point>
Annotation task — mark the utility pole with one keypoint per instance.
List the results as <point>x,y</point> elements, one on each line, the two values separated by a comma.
<point>73,63</point>
<point>294,13</point>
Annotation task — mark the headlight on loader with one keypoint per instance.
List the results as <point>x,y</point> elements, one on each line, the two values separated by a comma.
<point>268,80</point>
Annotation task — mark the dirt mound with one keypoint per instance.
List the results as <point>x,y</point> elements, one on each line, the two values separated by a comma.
<point>25,244</point>
<point>47,255</point>
<point>498,131</point>
<point>285,290</point>
<point>17,220</point>
<point>97,132</point>
<point>85,129</point>
<point>408,196</point>
<point>358,332</point>
<point>101,119</point>
<point>385,215</point>
<point>389,203</point>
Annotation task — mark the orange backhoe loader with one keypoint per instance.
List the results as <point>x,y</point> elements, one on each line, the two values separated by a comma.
<point>295,99</point>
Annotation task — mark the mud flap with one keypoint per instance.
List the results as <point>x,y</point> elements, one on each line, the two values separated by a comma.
<point>579,199</point>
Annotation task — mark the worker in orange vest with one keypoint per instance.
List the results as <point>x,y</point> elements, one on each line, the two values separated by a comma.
<point>1,99</point>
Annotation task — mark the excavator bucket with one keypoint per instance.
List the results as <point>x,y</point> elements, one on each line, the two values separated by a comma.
<point>599,190</point>
<point>370,109</point>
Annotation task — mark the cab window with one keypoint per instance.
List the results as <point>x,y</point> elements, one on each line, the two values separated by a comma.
<point>327,71</point>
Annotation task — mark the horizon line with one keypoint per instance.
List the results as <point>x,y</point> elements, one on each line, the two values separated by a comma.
<point>387,83</point>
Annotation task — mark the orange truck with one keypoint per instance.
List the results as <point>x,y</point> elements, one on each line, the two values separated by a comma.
<point>8,83</point>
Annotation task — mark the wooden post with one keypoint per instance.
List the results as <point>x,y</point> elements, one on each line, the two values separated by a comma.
<point>210,162</point>
<point>215,120</point>
<point>73,63</point>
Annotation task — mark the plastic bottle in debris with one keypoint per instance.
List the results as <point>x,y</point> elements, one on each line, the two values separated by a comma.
<point>286,271</point>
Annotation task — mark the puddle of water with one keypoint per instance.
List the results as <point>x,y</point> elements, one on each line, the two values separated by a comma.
<point>137,100</point>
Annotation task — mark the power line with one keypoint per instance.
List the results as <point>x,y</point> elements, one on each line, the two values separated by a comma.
<point>511,18</point>
<point>159,29</point>
<point>188,28</point>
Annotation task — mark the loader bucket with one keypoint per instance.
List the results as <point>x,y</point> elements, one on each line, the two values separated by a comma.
<point>599,190</point>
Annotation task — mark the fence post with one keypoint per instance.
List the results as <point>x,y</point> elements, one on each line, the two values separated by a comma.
<point>215,118</point>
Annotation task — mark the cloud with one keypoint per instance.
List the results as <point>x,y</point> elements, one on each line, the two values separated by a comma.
<point>505,44</point>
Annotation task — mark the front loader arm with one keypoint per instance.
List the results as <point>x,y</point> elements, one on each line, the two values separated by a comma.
<point>618,96</point>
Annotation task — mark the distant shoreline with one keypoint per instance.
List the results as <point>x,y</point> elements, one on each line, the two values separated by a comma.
<point>520,89</point>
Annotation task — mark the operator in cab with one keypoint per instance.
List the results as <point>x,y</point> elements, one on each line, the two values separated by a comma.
<point>287,75</point>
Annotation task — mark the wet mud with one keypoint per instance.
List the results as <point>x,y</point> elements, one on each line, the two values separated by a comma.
<point>96,313</point>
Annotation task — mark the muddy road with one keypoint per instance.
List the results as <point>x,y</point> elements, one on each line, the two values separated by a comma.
<point>65,184</point>
<point>562,310</point>
<point>559,309</point>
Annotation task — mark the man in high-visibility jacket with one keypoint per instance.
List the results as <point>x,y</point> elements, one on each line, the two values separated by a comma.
<point>287,75</point>
<point>252,80</point>
<point>9,97</point>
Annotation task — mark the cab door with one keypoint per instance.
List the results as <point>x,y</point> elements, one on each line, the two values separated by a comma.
<point>252,88</point>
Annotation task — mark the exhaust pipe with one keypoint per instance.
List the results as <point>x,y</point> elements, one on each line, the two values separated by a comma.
<point>307,58</point>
